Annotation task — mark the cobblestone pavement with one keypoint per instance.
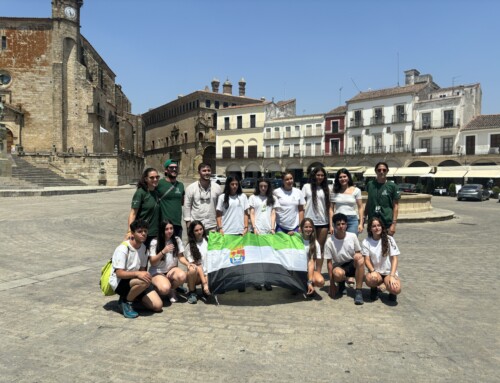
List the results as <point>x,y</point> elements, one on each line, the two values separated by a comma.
<point>57,327</point>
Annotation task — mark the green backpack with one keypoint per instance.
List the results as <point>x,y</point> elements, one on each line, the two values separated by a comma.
<point>106,270</point>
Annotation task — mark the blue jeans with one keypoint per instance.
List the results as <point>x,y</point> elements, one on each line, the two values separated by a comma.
<point>352,224</point>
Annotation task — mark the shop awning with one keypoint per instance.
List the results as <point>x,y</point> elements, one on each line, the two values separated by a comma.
<point>488,171</point>
<point>450,172</point>
<point>413,172</point>
<point>370,172</point>
<point>351,169</point>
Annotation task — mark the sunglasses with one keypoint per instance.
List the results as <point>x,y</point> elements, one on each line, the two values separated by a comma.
<point>381,170</point>
<point>154,178</point>
<point>173,168</point>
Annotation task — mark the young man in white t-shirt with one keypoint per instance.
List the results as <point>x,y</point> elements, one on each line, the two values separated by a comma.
<point>344,259</point>
<point>129,278</point>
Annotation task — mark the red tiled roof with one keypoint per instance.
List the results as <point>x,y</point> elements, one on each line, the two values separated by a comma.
<point>338,110</point>
<point>485,121</point>
<point>387,92</point>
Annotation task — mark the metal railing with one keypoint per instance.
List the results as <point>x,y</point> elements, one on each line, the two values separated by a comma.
<point>438,124</point>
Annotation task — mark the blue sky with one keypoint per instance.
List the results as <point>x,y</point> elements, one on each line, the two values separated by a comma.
<point>285,49</point>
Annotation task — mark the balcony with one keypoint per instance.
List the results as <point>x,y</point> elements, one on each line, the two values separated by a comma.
<point>435,151</point>
<point>377,120</point>
<point>398,118</point>
<point>312,153</point>
<point>404,148</point>
<point>438,124</point>
<point>356,123</point>
<point>313,132</point>
<point>356,150</point>
<point>378,149</point>
<point>271,135</point>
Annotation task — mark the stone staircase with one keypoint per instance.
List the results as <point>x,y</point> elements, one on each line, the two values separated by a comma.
<point>26,175</point>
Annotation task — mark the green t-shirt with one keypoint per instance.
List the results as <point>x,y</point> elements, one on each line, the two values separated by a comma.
<point>381,199</point>
<point>149,210</point>
<point>171,204</point>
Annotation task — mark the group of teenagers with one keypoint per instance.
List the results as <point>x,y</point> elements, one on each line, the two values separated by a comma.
<point>329,222</point>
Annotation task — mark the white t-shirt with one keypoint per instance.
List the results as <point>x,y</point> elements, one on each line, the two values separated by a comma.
<point>287,214</point>
<point>346,203</point>
<point>342,250</point>
<point>318,248</point>
<point>200,203</point>
<point>319,216</point>
<point>169,261</point>
<point>233,216</point>
<point>203,249</point>
<point>373,248</point>
<point>262,212</point>
<point>127,258</point>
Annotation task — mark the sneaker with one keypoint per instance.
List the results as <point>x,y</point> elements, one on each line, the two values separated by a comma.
<point>257,287</point>
<point>341,289</point>
<point>373,294</point>
<point>128,311</point>
<point>268,287</point>
<point>393,297</point>
<point>181,290</point>
<point>172,296</point>
<point>350,282</point>
<point>358,299</point>
<point>192,298</point>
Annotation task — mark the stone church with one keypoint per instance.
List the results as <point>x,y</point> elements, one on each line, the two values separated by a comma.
<point>60,106</point>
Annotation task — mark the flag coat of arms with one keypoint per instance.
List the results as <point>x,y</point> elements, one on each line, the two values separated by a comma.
<point>236,261</point>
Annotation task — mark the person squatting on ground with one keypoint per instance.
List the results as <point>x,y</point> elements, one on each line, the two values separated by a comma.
<point>201,199</point>
<point>381,258</point>
<point>317,196</point>
<point>344,259</point>
<point>171,194</point>
<point>145,204</point>
<point>291,206</point>
<point>345,198</point>
<point>196,254</point>
<point>232,209</point>
<point>313,251</point>
<point>129,278</point>
<point>165,252</point>
<point>383,198</point>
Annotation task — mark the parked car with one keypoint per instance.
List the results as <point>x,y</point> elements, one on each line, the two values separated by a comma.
<point>407,188</point>
<point>331,182</point>
<point>218,178</point>
<point>473,191</point>
<point>440,191</point>
<point>276,183</point>
<point>248,183</point>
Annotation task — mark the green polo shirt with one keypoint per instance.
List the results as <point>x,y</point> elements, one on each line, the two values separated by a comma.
<point>148,210</point>
<point>171,204</point>
<point>381,199</point>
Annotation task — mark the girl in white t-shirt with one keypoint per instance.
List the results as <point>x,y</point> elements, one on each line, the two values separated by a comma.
<point>263,208</point>
<point>291,206</point>
<point>232,209</point>
<point>381,258</point>
<point>165,252</point>
<point>346,199</point>
<point>317,196</point>
<point>196,254</point>
<point>313,250</point>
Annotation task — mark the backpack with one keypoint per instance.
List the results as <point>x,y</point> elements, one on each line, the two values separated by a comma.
<point>106,270</point>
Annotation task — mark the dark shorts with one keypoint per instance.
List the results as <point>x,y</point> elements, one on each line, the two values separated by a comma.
<point>349,268</point>
<point>322,226</point>
<point>123,289</point>
<point>283,230</point>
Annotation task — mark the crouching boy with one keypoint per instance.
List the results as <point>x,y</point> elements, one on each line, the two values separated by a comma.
<point>129,277</point>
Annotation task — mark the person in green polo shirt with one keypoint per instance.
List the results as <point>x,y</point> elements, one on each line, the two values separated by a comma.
<point>383,198</point>
<point>171,194</point>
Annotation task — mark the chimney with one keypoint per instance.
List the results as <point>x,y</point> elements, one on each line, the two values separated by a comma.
<point>411,75</point>
<point>242,83</point>
<point>227,87</point>
<point>215,85</point>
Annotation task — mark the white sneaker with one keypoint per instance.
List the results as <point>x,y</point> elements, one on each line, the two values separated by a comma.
<point>173,296</point>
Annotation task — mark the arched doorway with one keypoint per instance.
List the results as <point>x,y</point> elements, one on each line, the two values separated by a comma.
<point>252,170</point>
<point>209,156</point>
<point>234,170</point>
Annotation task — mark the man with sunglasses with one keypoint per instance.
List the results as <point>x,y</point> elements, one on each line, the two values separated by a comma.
<point>201,199</point>
<point>171,193</point>
<point>383,198</point>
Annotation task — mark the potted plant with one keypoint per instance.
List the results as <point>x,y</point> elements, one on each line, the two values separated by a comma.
<point>452,190</point>
<point>496,191</point>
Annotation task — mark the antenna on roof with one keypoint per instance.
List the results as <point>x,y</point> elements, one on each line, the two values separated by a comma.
<point>453,81</point>
<point>340,95</point>
<point>355,85</point>
<point>397,74</point>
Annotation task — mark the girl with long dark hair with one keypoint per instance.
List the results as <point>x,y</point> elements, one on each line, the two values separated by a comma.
<point>317,196</point>
<point>165,253</point>
<point>196,254</point>
<point>291,205</point>
<point>381,256</point>
<point>313,250</point>
<point>232,209</point>
<point>263,208</point>
<point>346,199</point>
